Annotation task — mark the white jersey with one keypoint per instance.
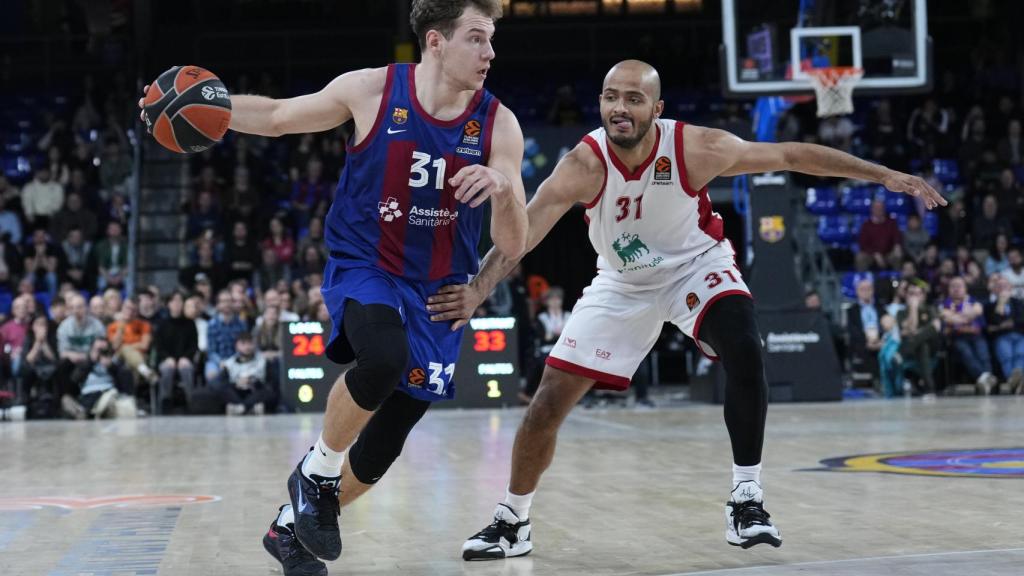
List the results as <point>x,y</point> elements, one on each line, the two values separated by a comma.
<point>647,224</point>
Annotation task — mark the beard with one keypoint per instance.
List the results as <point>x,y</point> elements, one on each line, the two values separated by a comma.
<point>628,142</point>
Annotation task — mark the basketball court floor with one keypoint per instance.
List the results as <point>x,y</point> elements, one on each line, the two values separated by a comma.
<point>630,492</point>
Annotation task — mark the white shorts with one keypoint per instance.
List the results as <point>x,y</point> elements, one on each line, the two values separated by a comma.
<point>612,329</point>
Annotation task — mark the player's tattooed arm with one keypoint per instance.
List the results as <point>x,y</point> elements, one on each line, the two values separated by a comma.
<point>577,177</point>
<point>501,182</point>
<point>711,153</point>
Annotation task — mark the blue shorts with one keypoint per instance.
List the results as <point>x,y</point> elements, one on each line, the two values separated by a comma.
<point>433,346</point>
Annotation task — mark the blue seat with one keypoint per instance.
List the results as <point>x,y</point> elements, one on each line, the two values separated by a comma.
<point>6,299</point>
<point>931,223</point>
<point>946,170</point>
<point>834,231</point>
<point>822,201</point>
<point>857,199</point>
<point>897,203</point>
<point>44,299</point>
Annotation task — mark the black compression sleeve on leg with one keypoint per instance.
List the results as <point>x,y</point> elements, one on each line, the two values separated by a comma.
<point>380,443</point>
<point>730,328</point>
<point>381,349</point>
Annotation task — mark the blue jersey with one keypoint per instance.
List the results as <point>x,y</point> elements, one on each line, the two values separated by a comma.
<point>394,208</point>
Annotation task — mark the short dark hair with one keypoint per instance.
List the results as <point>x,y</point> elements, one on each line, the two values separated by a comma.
<point>243,337</point>
<point>441,15</point>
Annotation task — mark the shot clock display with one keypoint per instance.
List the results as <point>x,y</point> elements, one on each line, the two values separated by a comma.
<point>487,374</point>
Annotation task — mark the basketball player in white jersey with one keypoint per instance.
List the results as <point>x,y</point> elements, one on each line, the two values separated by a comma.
<point>662,256</point>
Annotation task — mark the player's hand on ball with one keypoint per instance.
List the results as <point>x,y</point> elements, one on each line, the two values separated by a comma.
<point>142,106</point>
<point>455,302</point>
<point>475,184</point>
<point>914,186</point>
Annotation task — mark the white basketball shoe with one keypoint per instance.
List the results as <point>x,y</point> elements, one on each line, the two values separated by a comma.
<point>506,537</point>
<point>746,521</point>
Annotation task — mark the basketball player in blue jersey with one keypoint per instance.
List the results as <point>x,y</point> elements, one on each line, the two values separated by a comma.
<point>662,257</point>
<point>430,146</point>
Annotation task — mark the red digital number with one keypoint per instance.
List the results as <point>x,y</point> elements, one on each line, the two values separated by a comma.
<point>493,341</point>
<point>305,345</point>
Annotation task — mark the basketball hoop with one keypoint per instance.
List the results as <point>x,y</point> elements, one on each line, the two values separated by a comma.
<point>833,87</point>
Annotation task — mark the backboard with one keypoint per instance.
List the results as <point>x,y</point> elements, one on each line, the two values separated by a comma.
<point>768,44</point>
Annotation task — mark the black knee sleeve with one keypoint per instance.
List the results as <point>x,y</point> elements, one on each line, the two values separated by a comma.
<point>730,327</point>
<point>380,443</point>
<point>381,349</point>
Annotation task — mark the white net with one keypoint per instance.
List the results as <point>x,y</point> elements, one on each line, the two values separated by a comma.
<point>833,88</point>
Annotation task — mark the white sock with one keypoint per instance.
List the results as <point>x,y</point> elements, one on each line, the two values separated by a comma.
<point>286,517</point>
<point>322,461</point>
<point>745,473</point>
<point>520,504</point>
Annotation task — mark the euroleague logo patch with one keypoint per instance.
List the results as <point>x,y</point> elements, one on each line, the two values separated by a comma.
<point>692,301</point>
<point>663,168</point>
<point>978,463</point>
<point>417,376</point>
<point>471,133</point>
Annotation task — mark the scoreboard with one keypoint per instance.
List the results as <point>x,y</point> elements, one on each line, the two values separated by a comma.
<point>486,375</point>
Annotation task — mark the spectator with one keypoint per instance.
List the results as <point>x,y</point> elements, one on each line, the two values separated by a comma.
<point>998,260</point>
<point>58,312</point>
<point>112,303</point>
<point>112,257</point>
<point>884,138</point>
<point>1004,316</point>
<point>244,379</point>
<point>954,227</point>
<point>862,321</point>
<point>552,321</point>
<point>989,223</point>
<point>177,345</point>
<point>118,211</point>
<point>973,150</point>
<point>37,364</point>
<point>194,312</point>
<point>42,197</point>
<point>222,331</point>
<point>101,378</point>
<point>73,215</point>
<point>80,186</point>
<point>12,334</point>
<point>205,266</point>
<point>41,260</point>
<point>76,252</point>
<point>58,166</point>
<point>919,334</point>
<point>97,307</point>
<point>268,335</point>
<point>280,242</point>
<point>1010,148</point>
<point>927,128</point>
<point>10,224</point>
<point>243,199</point>
<point>131,338</point>
<point>915,238</point>
<point>308,192</point>
<point>977,285</point>
<point>565,109</point>
<point>241,254</point>
<point>1015,273</point>
<point>314,236</point>
<point>75,336</point>
<point>963,320</point>
<point>206,216</point>
<point>240,301</point>
<point>149,307</point>
<point>1010,200</point>
<point>83,159</point>
<point>836,132</point>
<point>880,235</point>
<point>115,167</point>
<point>11,263</point>
<point>312,262</point>
<point>273,299</point>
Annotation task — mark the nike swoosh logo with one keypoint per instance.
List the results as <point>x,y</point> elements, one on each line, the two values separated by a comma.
<point>322,451</point>
<point>302,502</point>
<point>390,131</point>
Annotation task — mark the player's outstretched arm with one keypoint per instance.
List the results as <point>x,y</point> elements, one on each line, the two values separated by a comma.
<point>323,110</point>
<point>500,181</point>
<point>577,177</point>
<point>719,153</point>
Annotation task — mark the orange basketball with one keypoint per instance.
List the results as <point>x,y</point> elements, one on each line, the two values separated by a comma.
<point>187,109</point>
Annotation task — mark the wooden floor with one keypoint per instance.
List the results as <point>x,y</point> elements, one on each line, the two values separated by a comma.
<point>631,492</point>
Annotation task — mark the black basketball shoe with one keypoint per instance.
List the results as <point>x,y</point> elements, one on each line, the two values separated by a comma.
<point>746,521</point>
<point>506,537</point>
<point>316,506</point>
<point>295,560</point>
